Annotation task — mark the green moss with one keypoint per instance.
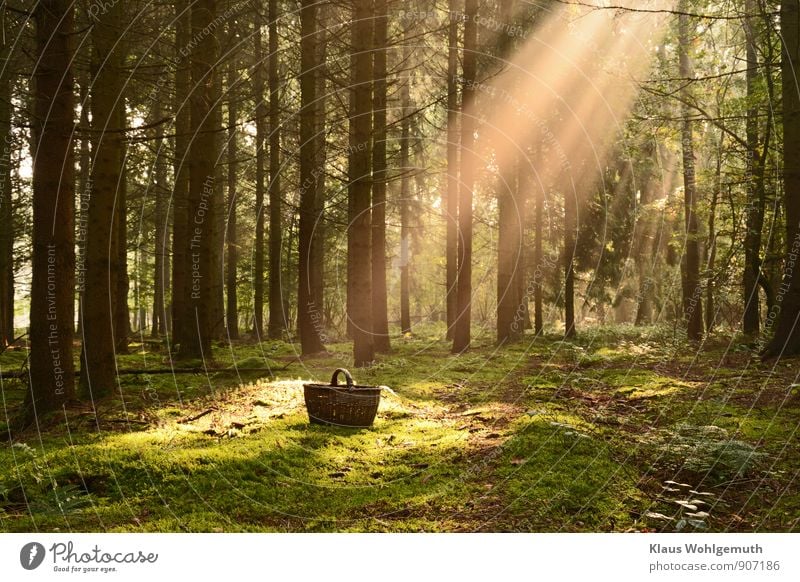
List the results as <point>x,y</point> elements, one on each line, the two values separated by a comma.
<point>542,435</point>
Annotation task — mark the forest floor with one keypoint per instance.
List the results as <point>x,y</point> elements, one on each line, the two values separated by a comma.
<point>623,429</point>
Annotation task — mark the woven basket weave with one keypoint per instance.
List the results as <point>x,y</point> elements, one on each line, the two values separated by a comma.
<point>348,405</point>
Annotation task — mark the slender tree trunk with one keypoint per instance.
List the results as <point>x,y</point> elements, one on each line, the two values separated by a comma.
<point>710,311</point>
<point>161,192</point>
<point>232,297</point>
<point>692,302</point>
<point>510,316</point>
<point>6,210</point>
<point>360,259</point>
<point>84,196</point>
<point>199,244</point>
<point>98,367</point>
<point>309,315</point>
<point>122,314</point>
<point>180,220</point>
<point>261,130</point>
<point>644,226</point>
<point>405,255</point>
<point>380,315</point>
<point>317,267</point>
<point>509,242</point>
<point>786,339</point>
<point>538,266</point>
<point>461,334</point>
<point>277,316</point>
<point>751,321</point>
<point>570,227</point>
<point>451,197</point>
<point>523,315</point>
<point>217,278</point>
<point>52,377</point>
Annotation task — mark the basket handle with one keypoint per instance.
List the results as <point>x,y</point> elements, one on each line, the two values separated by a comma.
<point>348,378</point>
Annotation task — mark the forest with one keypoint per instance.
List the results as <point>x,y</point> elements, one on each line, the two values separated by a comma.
<point>562,238</point>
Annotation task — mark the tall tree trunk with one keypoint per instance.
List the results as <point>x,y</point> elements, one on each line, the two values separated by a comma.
<point>180,220</point>
<point>786,339</point>
<point>692,302</point>
<point>451,196</point>
<point>380,315</point>
<point>161,267</point>
<point>523,315</point>
<point>277,315</point>
<point>217,278</point>
<point>199,245</point>
<point>405,169</point>
<point>751,320</point>
<point>570,227</point>
<point>231,279</point>
<point>261,131</point>
<point>122,315</point>
<point>360,259</point>
<point>711,247</point>
<point>98,367</point>
<point>6,210</point>
<point>510,323</point>
<point>84,195</point>
<point>538,264</point>
<point>461,334</point>
<point>317,266</point>
<point>52,377</point>
<point>509,243</point>
<point>309,315</point>
<point>644,228</point>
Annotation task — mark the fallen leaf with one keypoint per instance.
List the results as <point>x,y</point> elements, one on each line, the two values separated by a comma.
<point>687,505</point>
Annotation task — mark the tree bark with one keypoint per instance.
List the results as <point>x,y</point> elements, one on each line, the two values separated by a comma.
<point>6,209</point>
<point>786,339</point>
<point>309,315</point>
<point>451,196</point>
<point>180,221</point>
<point>52,376</point>
<point>160,192</point>
<point>461,334</point>
<point>692,301</point>
<point>360,260</point>
<point>261,130</point>
<point>317,266</point>
<point>122,315</point>
<point>217,278</point>
<point>98,365</point>
<point>754,223</point>
<point>405,255</point>
<point>199,244</point>
<point>570,227</point>
<point>644,228</point>
<point>380,315</point>
<point>538,265</point>
<point>277,316</point>
<point>510,325</point>
<point>232,240</point>
<point>711,246</point>
<point>523,314</point>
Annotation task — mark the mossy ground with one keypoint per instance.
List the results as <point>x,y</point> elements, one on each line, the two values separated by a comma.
<point>623,429</point>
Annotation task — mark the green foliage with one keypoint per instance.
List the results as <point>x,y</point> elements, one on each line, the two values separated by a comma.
<point>710,451</point>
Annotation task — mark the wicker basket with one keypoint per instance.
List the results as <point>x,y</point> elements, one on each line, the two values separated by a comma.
<point>349,405</point>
